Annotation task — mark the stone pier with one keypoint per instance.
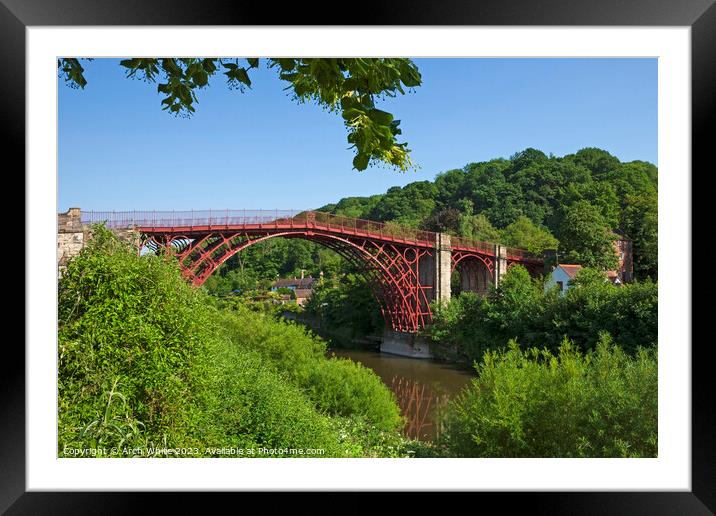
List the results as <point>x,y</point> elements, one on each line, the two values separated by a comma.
<point>405,344</point>
<point>436,271</point>
<point>500,262</point>
<point>72,236</point>
<point>443,267</point>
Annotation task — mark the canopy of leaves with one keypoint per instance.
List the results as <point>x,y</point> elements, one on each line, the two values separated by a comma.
<point>525,234</point>
<point>585,237</point>
<point>349,86</point>
<point>531,201</point>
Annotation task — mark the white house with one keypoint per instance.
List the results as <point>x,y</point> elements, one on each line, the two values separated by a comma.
<point>561,275</point>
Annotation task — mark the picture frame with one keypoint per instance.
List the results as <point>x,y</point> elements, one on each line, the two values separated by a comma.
<point>700,15</point>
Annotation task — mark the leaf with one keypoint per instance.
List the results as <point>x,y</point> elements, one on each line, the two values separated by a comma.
<point>360,162</point>
<point>129,63</point>
<point>380,117</point>
<point>201,79</point>
<point>351,114</point>
<point>286,64</point>
<point>171,67</point>
<point>242,76</point>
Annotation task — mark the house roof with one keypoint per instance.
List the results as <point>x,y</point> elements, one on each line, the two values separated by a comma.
<point>303,292</point>
<point>570,269</point>
<point>298,283</point>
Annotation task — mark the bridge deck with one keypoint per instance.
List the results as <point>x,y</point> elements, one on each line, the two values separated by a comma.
<point>195,222</point>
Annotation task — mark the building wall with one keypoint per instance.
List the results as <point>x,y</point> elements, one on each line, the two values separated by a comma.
<point>558,274</point>
<point>623,248</point>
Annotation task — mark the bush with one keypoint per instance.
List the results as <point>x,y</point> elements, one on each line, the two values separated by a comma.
<point>347,310</point>
<point>129,329</point>
<point>538,404</point>
<point>520,309</point>
<point>145,361</point>
<point>338,386</point>
<point>248,405</point>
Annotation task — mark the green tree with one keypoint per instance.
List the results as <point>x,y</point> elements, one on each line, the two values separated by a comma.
<point>523,233</point>
<point>444,221</point>
<point>641,224</point>
<point>478,227</point>
<point>409,205</point>
<point>585,238</point>
<point>349,86</point>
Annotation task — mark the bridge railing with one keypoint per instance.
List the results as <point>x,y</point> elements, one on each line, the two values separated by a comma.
<point>370,227</point>
<point>188,218</point>
<point>263,218</point>
<point>522,255</point>
<point>513,253</point>
<point>282,219</point>
<point>468,243</point>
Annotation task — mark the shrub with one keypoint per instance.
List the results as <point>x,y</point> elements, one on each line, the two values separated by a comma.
<point>145,361</point>
<point>130,326</point>
<point>248,405</point>
<point>520,309</point>
<point>337,386</point>
<point>538,404</point>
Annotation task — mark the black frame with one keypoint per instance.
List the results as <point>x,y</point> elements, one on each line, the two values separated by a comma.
<point>700,15</point>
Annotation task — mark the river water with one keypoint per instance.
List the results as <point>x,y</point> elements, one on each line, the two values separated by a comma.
<point>422,386</point>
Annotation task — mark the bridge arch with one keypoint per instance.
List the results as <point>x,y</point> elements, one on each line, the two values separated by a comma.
<point>393,271</point>
<point>475,273</point>
<point>407,268</point>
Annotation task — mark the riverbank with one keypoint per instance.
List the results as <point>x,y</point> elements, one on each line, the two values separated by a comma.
<point>336,339</point>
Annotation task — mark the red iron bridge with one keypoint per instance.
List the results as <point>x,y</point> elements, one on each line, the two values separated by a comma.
<point>406,268</point>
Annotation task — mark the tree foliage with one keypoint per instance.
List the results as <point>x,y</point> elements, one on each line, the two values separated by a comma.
<point>533,201</point>
<point>641,224</point>
<point>525,234</point>
<point>585,238</point>
<point>346,308</point>
<point>349,86</point>
<point>520,308</point>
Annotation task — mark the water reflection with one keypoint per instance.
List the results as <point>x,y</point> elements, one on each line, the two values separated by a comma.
<point>422,386</point>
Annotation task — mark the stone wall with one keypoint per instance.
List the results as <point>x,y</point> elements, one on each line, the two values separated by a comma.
<point>72,236</point>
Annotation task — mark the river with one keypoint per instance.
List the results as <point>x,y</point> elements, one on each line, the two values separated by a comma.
<point>422,386</point>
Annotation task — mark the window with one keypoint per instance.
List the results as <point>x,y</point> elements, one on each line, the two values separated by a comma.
<point>561,286</point>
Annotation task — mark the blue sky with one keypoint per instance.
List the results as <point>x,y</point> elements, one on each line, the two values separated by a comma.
<point>259,149</point>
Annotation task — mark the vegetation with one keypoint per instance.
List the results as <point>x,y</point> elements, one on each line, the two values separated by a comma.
<point>257,266</point>
<point>573,204</point>
<point>347,308</point>
<point>532,201</point>
<point>148,365</point>
<point>349,86</point>
<point>519,308</point>
<point>536,403</point>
